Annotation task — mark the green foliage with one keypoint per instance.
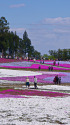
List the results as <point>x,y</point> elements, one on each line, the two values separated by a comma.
<point>37,54</point>
<point>45,56</point>
<point>61,54</point>
<point>25,35</point>
<point>3,35</point>
<point>3,25</point>
<point>25,45</point>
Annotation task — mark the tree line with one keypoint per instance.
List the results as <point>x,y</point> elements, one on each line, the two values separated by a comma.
<point>11,44</point>
<point>60,54</point>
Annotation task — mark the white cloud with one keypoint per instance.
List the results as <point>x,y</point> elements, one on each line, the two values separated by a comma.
<point>62,30</point>
<point>58,20</point>
<point>17,29</point>
<point>17,5</point>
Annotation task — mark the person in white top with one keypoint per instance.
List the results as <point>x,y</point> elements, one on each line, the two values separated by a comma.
<point>35,82</point>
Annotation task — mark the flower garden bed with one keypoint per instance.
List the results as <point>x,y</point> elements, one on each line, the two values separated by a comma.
<point>25,64</point>
<point>16,93</point>
<point>42,77</point>
<point>34,106</point>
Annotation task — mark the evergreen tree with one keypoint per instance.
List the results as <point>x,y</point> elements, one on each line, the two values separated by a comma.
<point>13,43</point>
<point>3,35</point>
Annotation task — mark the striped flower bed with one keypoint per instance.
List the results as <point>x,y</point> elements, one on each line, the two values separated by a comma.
<point>16,93</point>
<point>24,64</point>
<point>42,77</point>
<point>33,66</point>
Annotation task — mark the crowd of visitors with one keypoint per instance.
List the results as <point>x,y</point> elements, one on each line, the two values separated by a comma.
<point>50,68</point>
<point>57,80</point>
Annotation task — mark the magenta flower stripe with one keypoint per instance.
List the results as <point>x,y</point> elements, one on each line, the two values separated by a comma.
<point>35,66</point>
<point>32,66</point>
<point>40,78</point>
<point>31,93</point>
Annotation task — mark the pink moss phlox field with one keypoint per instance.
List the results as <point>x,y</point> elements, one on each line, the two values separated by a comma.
<point>35,66</point>
<point>58,68</point>
<point>31,93</point>
<point>61,65</point>
<point>23,78</point>
<point>65,65</point>
<point>40,78</point>
<point>4,60</point>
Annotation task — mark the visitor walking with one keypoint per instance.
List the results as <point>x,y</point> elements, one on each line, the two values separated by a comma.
<point>34,60</point>
<point>56,79</point>
<point>27,82</point>
<point>43,61</point>
<point>35,82</point>
<point>39,67</point>
<point>59,80</point>
<point>49,68</point>
<point>58,63</point>
<point>54,63</point>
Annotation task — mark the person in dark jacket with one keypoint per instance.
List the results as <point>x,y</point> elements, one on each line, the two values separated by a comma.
<point>39,67</point>
<point>56,79</point>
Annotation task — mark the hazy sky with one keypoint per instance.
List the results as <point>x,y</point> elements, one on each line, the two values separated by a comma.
<point>47,22</point>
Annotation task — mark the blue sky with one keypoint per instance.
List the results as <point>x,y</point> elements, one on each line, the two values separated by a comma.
<point>47,22</point>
